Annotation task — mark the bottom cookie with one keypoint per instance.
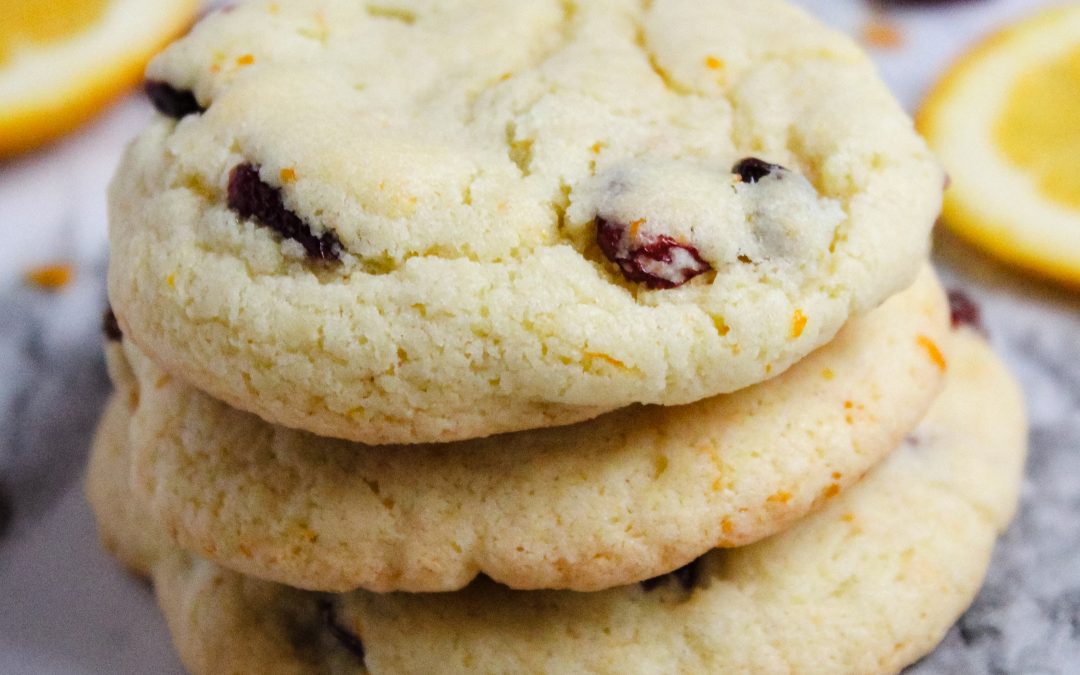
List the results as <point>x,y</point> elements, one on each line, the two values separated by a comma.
<point>867,585</point>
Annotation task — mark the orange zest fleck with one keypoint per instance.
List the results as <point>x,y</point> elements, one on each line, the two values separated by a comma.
<point>780,498</point>
<point>245,60</point>
<point>828,374</point>
<point>635,227</point>
<point>726,526</point>
<point>882,35</point>
<point>848,517</point>
<point>832,491</point>
<point>722,329</point>
<point>596,147</point>
<point>288,175</point>
<point>933,351</point>
<point>51,277</point>
<point>798,324</point>
<point>713,63</point>
<point>606,358</point>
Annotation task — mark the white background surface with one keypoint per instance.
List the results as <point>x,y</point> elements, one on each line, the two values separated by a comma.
<point>66,608</point>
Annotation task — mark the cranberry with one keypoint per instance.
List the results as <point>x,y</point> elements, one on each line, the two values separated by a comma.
<point>111,327</point>
<point>964,310</point>
<point>657,262</point>
<point>168,100</point>
<point>686,576</point>
<point>250,197</point>
<point>345,637</point>
<point>752,169</point>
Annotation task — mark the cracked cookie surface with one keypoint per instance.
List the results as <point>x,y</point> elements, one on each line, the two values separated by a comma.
<point>628,496</point>
<point>866,585</point>
<point>424,262</point>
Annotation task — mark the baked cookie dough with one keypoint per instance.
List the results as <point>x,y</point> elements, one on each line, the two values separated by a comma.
<point>866,585</point>
<point>418,221</point>
<point>628,496</point>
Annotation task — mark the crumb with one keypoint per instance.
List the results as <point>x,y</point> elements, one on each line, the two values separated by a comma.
<point>880,34</point>
<point>51,278</point>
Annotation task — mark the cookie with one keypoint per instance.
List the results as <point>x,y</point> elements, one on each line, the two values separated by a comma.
<point>867,585</point>
<point>363,221</point>
<point>108,489</point>
<point>631,495</point>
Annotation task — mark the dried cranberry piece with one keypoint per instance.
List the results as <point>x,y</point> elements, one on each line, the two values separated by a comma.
<point>964,310</point>
<point>686,576</point>
<point>657,262</point>
<point>111,327</point>
<point>169,100</point>
<point>752,169</point>
<point>343,635</point>
<point>250,197</point>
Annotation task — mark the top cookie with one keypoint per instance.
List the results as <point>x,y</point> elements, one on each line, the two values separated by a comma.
<point>421,221</point>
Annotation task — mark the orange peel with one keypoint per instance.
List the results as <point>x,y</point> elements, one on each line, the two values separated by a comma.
<point>1003,121</point>
<point>62,62</point>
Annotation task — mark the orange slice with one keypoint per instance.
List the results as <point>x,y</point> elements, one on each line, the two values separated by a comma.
<point>1005,121</point>
<point>62,61</point>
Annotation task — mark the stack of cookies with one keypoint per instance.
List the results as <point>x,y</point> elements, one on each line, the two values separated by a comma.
<point>551,336</point>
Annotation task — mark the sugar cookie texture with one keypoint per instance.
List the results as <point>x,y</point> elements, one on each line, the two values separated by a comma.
<point>867,585</point>
<point>628,496</point>
<point>405,222</point>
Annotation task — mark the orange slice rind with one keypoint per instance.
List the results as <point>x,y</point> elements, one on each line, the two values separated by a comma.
<point>1005,122</point>
<point>62,61</point>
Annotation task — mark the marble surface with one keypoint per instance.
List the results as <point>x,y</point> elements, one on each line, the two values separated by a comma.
<point>67,609</point>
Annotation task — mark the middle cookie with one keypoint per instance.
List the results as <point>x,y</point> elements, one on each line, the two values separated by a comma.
<point>631,495</point>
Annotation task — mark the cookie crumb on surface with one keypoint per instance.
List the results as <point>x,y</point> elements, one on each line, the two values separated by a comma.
<point>51,278</point>
<point>878,33</point>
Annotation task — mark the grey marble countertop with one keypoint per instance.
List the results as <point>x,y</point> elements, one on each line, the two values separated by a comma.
<point>66,608</point>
